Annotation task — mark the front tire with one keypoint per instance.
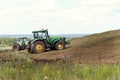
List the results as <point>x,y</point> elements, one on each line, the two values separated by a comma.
<point>59,45</point>
<point>38,47</point>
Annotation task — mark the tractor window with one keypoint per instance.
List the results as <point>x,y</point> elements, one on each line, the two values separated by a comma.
<point>25,39</point>
<point>41,35</point>
<point>20,40</point>
<point>35,35</point>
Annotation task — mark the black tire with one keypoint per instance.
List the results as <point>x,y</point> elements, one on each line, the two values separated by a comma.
<point>16,47</point>
<point>38,47</point>
<point>59,45</point>
<point>28,48</point>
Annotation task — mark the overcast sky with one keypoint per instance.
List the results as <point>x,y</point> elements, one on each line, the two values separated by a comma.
<point>59,16</point>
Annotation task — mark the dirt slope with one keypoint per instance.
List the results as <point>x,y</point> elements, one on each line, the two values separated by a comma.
<point>103,47</point>
<point>96,48</point>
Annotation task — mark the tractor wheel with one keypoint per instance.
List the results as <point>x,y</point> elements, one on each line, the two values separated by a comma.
<point>16,47</point>
<point>38,47</point>
<point>59,45</point>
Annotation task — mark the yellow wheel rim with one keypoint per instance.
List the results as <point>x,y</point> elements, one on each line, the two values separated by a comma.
<point>60,46</point>
<point>38,47</point>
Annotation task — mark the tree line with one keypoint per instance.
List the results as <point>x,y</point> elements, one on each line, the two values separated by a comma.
<point>7,41</point>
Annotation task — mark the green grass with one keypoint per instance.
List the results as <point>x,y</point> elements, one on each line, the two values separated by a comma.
<point>6,41</point>
<point>26,69</point>
<point>6,48</point>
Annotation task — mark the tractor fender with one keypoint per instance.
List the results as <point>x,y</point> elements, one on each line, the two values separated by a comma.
<point>54,42</point>
<point>36,41</point>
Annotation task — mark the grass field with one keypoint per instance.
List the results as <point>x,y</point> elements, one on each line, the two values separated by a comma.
<point>29,70</point>
<point>6,48</point>
<point>6,43</point>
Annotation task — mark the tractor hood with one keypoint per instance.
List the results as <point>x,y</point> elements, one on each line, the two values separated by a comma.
<point>55,38</point>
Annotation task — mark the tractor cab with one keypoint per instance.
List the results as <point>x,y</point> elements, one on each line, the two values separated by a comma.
<point>43,34</point>
<point>22,40</point>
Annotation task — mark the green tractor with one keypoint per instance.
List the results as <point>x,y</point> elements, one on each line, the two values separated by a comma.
<point>20,44</point>
<point>43,41</point>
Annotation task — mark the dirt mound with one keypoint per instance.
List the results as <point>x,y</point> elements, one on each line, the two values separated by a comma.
<point>96,48</point>
<point>104,48</point>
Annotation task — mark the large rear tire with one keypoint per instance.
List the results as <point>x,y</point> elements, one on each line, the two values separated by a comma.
<point>59,45</point>
<point>38,47</point>
<point>16,47</point>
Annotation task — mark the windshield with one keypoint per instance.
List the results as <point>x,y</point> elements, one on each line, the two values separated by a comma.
<point>21,40</point>
<point>39,35</point>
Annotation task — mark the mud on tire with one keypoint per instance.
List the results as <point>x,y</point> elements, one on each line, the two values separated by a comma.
<point>38,47</point>
<point>16,47</point>
<point>59,45</point>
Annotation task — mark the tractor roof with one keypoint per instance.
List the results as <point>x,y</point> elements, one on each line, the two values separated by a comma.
<point>39,31</point>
